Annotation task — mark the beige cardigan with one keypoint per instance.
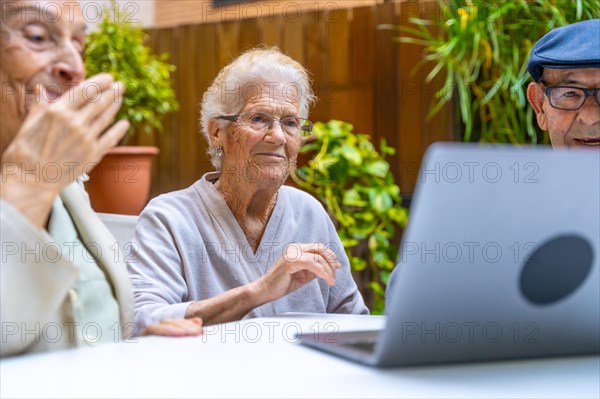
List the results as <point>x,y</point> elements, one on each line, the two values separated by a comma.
<point>35,285</point>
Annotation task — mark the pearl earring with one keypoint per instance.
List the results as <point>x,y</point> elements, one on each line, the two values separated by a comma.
<point>219,151</point>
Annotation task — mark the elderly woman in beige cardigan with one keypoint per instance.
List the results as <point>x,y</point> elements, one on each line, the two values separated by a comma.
<point>62,284</point>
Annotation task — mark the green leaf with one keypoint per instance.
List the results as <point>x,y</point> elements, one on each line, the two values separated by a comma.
<point>350,242</point>
<point>358,264</point>
<point>385,149</point>
<point>385,276</point>
<point>399,215</point>
<point>378,168</point>
<point>352,198</point>
<point>380,257</point>
<point>377,288</point>
<point>351,154</point>
<point>381,201</point>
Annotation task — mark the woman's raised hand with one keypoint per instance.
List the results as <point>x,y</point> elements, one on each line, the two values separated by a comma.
<point>300,264</point>
<point>59,141</point>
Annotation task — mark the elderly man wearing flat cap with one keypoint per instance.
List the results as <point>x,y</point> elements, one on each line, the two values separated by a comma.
<point>565,94</point>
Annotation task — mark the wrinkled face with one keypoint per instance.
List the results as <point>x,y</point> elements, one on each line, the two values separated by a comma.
<point>40,49</point>
<point>261,157</point>
<point>574,128</point>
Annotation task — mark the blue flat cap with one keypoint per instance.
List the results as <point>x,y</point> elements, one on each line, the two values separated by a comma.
<point>568,47</point>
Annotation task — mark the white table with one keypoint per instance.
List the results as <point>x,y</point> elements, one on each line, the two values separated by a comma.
<point>259,358</point>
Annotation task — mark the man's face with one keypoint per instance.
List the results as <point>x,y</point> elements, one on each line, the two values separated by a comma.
<point>40,48</point>
<point>574,128</point>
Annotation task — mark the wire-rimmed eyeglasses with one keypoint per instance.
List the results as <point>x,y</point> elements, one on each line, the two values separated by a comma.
<point>261,122</point>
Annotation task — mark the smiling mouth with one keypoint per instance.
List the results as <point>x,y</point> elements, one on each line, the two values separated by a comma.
<point>265,154</point>
<point>592,142</point>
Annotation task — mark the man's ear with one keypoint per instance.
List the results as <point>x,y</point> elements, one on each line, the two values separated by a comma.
<point>535,96</point>
<point>214,133</point>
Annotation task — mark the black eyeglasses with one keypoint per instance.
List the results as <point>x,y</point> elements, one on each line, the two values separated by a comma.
<point>570,98</point>
<point>292,125</point>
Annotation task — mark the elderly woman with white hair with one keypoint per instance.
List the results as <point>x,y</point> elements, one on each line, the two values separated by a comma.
<point>238,242</point>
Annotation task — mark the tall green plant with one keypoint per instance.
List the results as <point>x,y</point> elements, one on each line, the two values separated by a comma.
<point>354,182</point>
<point>483,48</point>
<point>118,47</point>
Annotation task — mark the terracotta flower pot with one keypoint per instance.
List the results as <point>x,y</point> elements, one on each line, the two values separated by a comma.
<point>120,183</point>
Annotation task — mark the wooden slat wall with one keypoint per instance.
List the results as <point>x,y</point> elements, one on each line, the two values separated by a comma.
<point>360,75</point>
<point>178,12</point>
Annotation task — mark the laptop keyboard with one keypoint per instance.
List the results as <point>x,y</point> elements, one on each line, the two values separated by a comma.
<point>365,346</point>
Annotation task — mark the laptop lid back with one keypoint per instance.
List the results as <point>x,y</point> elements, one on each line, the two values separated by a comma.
<point>500,258</point>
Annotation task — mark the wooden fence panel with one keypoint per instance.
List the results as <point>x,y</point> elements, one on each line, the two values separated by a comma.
<point>248,35</point>
<point>207,71</point>
<point>411,113</point>
<point>386,111</point>
<point>315,56</point>
<point>340,65</point>
<point>228,43</point>
<point>270,30</point>
<point>167,170</point>
<point>292,42</point>
<point>363,70</point>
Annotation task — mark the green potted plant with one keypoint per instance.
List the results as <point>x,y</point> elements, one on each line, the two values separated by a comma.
<point>120,183</point>
<point>353,181</point>
<point>483,48</point>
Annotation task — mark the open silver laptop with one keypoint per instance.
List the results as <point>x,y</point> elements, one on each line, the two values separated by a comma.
<point>500,260</point>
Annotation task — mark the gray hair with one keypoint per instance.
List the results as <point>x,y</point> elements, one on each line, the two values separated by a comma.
<point>226,94</point>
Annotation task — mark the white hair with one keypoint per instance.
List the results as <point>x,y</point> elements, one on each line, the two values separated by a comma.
<point>255,68</point>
